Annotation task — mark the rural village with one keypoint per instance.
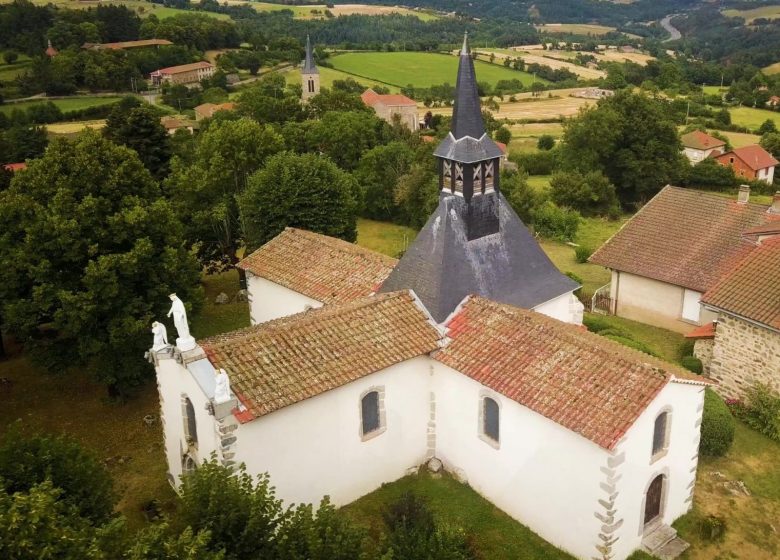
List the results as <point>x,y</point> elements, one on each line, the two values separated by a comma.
<point>451,280</point>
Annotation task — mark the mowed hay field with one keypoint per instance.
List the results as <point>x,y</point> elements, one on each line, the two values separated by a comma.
<point>318,11</point>
<point>764,12</point>
<point>419,69</point>
<point>529,108</point>
<point>587,73</point>
<point>772,68</point>
<point>752,118</point>
<point>575,28</point>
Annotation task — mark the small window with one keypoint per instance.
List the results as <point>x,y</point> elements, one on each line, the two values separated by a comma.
<point>311,86</point>
<point>370,412</point>
<point>490,420</point>
<point>190,427</point>
<point>661,434</point>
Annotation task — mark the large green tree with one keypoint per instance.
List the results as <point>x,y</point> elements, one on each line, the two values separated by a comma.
<point>90,251</point>
<point>345,135</point>
<point>589,193</point>
<point>205,190</point>
<point>140,129</point>
<point>630,138</point>
<point>378,173</point>
<point>305,191</point>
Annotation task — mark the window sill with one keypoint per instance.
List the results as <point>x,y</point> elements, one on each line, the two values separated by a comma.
<point>371,435</point>
<point>658,456</point>
<point>490,441</point>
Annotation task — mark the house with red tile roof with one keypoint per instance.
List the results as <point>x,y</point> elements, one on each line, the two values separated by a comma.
<point>13,167</point>
<point>672,251</point>
<point>698,146</point>
<point>388,107</point>
<point>207,110</point>
<point>752,162</point>
<point>183,74</point>
<point>465,354</point>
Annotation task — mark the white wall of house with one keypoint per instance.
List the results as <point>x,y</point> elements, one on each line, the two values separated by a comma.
<point>314,448</point>
<point>566,308</point>
<point>767,175</point>
<point>542,474</point>
<point>175,382</point>
<point>685,402</point>
<point>656,303</point>
<point>268,300</point>
<point>694,155</point>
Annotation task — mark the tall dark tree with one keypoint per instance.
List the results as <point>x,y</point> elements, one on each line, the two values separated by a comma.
<point>140,129</point>
<point>378,173</point>
<point>91,250</point>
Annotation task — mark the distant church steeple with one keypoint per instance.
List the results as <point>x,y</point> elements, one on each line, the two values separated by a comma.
<point>310,76</point>
<point>468,158</point>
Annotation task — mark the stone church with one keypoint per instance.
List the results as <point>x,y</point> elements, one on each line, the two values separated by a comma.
<point>467,353</point>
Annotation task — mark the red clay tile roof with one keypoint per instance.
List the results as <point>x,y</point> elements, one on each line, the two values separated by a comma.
<point>282,362</point>
<point>752,290</point>
<point>128,44</point>
<point>182,68</point>
<point>15,166</point>
<point>323,268</point>
<point>370,97</point>
<point>208,109</point>
<point>754,157</point>
<point>684,237</point>
<point>704,331</point>
<point>580,380</point>
<point>698,140</point>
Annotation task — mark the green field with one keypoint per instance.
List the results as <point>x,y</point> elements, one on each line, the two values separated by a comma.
<point>328,75</point>
<point>141,7</point>
<point>420,69</point>
<point>9,72</point>
<point>764,12</point>
<point>714,90</point>
<point>65,105</point>
<point>752,118</point>
<point>317,11</point>
<point>575,28</point>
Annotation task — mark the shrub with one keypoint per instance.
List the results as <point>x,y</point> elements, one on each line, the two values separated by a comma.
<point>591,193</point>
<point>692,363</point>
<point>539,163</point>
<point>712,528</point>
<point>596,323</point>
<point>10,56</point>
<point>503,135</point>
<point>717,426</point>
<point>545,142</point>
<point>761,410</point>
<point>631,343</point>
<point>582,254</point>
<point>555,222</point>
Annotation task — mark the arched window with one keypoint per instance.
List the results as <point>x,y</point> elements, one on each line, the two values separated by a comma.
<point>654,500</point>
<point>661,434</point>
<point>490,419</point>
<point>190,428</point>
<point>369,411</point>
<point>188,465</point>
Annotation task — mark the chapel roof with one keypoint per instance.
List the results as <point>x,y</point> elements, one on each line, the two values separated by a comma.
<point>698,140</point>
<point>323,268</point>
<point>371,98</point>
<point>752,289</point>
<point>580,380</point>
<point>683,237</point>
<point>308,62</point>
<point>282,362</point>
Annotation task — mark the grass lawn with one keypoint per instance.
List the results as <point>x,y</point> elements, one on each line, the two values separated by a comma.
<point>419,69</point>
<point>714,90</point>
<point>739,139</point>
<point>493,533</point>
<point>328,75</point>
<point>752,118</point>
<point>384,237</point>
<point>9,72</point>
<point>65,105</point>
<point>765,12</point>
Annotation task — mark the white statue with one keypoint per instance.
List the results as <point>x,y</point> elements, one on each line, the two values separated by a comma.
<point>160,336</point>
<point>185,340</point>
<point>222,389</point>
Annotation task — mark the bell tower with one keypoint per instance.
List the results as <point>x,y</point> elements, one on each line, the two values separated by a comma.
<point>310,75</point>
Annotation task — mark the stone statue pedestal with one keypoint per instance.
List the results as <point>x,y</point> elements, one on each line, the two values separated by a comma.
<point>185,344</point>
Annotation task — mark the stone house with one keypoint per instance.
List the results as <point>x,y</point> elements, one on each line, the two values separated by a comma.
<point>671,252</point>
<point>207,110</point>
<point>359,369</point>
<point>698,146</point>
<point>185,74</point>
<point>395,105</point>
<point>752,162</point>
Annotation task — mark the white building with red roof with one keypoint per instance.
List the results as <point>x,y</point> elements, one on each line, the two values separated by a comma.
<point>466,354</point>
<point>388,107</point>
<point>698,146</point>
<point>183,74</point>
<point>752,162</point>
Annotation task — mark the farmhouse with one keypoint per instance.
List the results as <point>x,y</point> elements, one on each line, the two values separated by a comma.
<point>184,74</point>
<point>310,75</point>
<point>207,110</point>
<point>439,359</point>
<point>751,162</point>
<point>671,252</point>
<point>698,146</point>
<point>172,124</point>
<point>389,106</point>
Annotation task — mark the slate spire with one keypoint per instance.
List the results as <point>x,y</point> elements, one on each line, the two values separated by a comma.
<point>308,63</point>
<point>467,115</point>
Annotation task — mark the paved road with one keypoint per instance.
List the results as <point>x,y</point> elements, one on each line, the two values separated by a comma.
<point>666,23</point>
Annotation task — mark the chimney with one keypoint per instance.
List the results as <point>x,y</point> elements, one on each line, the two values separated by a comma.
<point>744,194</point>
<point>775,208</point>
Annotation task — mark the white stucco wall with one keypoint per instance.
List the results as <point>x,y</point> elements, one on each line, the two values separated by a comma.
<point>268,300</point>
<point>543,475</point>
<point>563,308</point>
<point>174,381</point>
<point>685,403</point>
<point>314,447</point>
<point>653,302</point>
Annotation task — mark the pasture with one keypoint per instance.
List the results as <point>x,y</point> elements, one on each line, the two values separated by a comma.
<point>329,75</point>
<point>317,11</point>
<point>772,69</point>
<point>141,7</point>
<point>419,69</point>
<point>528,58</point>
<point>764,12</point>
<point>752,118</point>
<point>65,105</point>
<point>575,29</point>
<point>9,72</point>
<point>74,127</point>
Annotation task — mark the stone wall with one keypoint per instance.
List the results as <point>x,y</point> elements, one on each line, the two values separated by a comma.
<point>742,355</point>
<point>702,349</point>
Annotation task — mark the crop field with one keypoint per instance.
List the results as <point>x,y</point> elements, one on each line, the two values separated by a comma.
<point>317,11</point>
<point>74,127</point>
<point>555,63</point>
<point>328,75</point>
<point>553,104</point>
<point>772,68</point>
<point>420,69</point>
<point>575,28</point>
<point>72,104</point>
<point>739,139</point>
<point>752,118</point>
<point>143,8</point>
<point>764,12</point>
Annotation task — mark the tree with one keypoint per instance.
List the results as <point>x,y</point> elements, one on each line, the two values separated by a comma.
<point>205,191</point>
<point>269,101</point>
<point>767,126</point>
<point>86,485</point>
<point>771,143</point>
<point>140,129</point>
<point>708,173</point>
<point>590,193</point>
<point>91,251</point>
<point>545,142</point>
<point>10,56</point>
<point>631,139</point>
<point>523,199</point>
<point>503,135</point>
<point>20,143</point>
<point>723,117</point>
<point>304,191</point>
<point>336,100</point>
<point>378,173</point>
<point>417,194</point>
<point>158,542</point>
<point>345,135</point>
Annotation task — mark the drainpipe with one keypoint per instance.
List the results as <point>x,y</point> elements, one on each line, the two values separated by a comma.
<point>617,292</point>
